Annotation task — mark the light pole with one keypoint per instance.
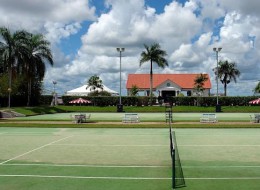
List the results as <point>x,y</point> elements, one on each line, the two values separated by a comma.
<point>120,107</point>
<point>217,50</point>
<point>54,93</point>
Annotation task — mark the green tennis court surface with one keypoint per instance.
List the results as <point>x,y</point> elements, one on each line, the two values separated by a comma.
<point>143,117</point>
<point>40,158</point>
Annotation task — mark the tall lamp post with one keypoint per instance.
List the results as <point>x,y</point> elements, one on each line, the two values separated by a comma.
<point>54,93</point>
<point>120,106</point>
<point>217,50</point>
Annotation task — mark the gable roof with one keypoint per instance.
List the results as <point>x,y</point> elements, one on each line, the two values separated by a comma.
<point>185,81</point>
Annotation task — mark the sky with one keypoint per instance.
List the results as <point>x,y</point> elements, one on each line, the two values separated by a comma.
<point>84,35</point>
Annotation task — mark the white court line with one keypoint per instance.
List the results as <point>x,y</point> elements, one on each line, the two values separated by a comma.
<point>91,166</point>
<point>90,177</point>
<point>220,166</point>
<point>35,149</point>
<point>147,145</point>
<point>221,178</point>
<point>121,135</point>
<point>219,145</point>
<point>124,166</point>
<point>133,178</point>
<point>109,145</point>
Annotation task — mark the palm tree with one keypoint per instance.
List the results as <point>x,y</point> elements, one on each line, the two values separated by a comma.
<point>95,82</point>
<point>257,88</point>
<point>37,54</point>
<point>11,51</point>
<point>134,90</point>
<point>153,54</point>
<point>199,82</point>
<point>226,73</point>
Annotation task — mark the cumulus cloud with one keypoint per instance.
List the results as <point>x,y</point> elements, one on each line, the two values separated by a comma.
<point>180,29</point>
<point>187,31</point>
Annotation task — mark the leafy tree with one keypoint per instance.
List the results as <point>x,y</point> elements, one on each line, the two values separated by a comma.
<point>199,82</point>
<point>134,90</point>
<point>227,72</point>
<point>12,50</point>
<point>38,52</point>
<point>154,54</point>
<point>257,88</point>
<point>17,85</point>
<point>95,82</point>
<point>102,93</point>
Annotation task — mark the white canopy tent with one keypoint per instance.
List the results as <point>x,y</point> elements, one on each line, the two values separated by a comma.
<point>85,90</point>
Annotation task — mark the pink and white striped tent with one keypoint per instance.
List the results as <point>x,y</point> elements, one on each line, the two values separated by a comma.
<point>80,101</point>
<point>256,101</point>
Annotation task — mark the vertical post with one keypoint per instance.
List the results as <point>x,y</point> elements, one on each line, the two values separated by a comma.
<point>54,93</point>
<point>217,50</point>
<point>9,87</point>
<point>120,100</point>
<point>120,107</point>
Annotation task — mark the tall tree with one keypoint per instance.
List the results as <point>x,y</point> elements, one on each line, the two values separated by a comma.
<point>199,82</point>
<point>227,72</point>
<point>95,82</point>
<point>257,89</point>
<point>154,54</point>
<point>37,55</point>
<point>11,51</point>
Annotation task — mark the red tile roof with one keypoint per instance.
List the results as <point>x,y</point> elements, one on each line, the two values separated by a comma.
<point>185,81</point>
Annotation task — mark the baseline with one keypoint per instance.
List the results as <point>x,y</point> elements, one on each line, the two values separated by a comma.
<point>90,166</point>
<point>90,177</point>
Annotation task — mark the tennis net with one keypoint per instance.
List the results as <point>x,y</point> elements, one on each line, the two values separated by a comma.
<point>177,173</point>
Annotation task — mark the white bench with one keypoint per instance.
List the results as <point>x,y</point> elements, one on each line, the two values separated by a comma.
<point>255,118</point>
<point>208,118</point>
<point>130,118</point>
<point>80,118</point>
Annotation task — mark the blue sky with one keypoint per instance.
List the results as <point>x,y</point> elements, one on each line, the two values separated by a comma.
<point>85,33</point>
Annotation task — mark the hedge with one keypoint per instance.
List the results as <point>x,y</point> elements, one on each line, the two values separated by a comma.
<point>134,100</point>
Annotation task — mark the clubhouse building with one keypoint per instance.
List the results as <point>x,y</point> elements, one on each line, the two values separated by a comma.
<point>166,85</point>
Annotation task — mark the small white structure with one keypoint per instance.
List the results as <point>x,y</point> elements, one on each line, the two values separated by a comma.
<point>85,90</point>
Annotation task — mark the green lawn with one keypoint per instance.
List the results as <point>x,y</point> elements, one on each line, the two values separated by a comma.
<point>66,158</point>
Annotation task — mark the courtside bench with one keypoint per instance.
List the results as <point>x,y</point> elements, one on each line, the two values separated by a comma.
<point>80,118</point>
<point>130,118</point>
<point>255,118</point>
<point>208,118</point>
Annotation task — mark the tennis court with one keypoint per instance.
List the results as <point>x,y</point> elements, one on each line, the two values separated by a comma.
<point>57,158</point>
<point>143,117</point>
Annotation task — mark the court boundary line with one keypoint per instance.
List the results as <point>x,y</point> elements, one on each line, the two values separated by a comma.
<point>91,166</point>
<point>43,146</point>
<point>112,145</point>
<point>221,166</point>
<point>90,177</point>
<point>228,145</point>
<point>132,178</point>
<point>221,178</point>
<point>122,166</point>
